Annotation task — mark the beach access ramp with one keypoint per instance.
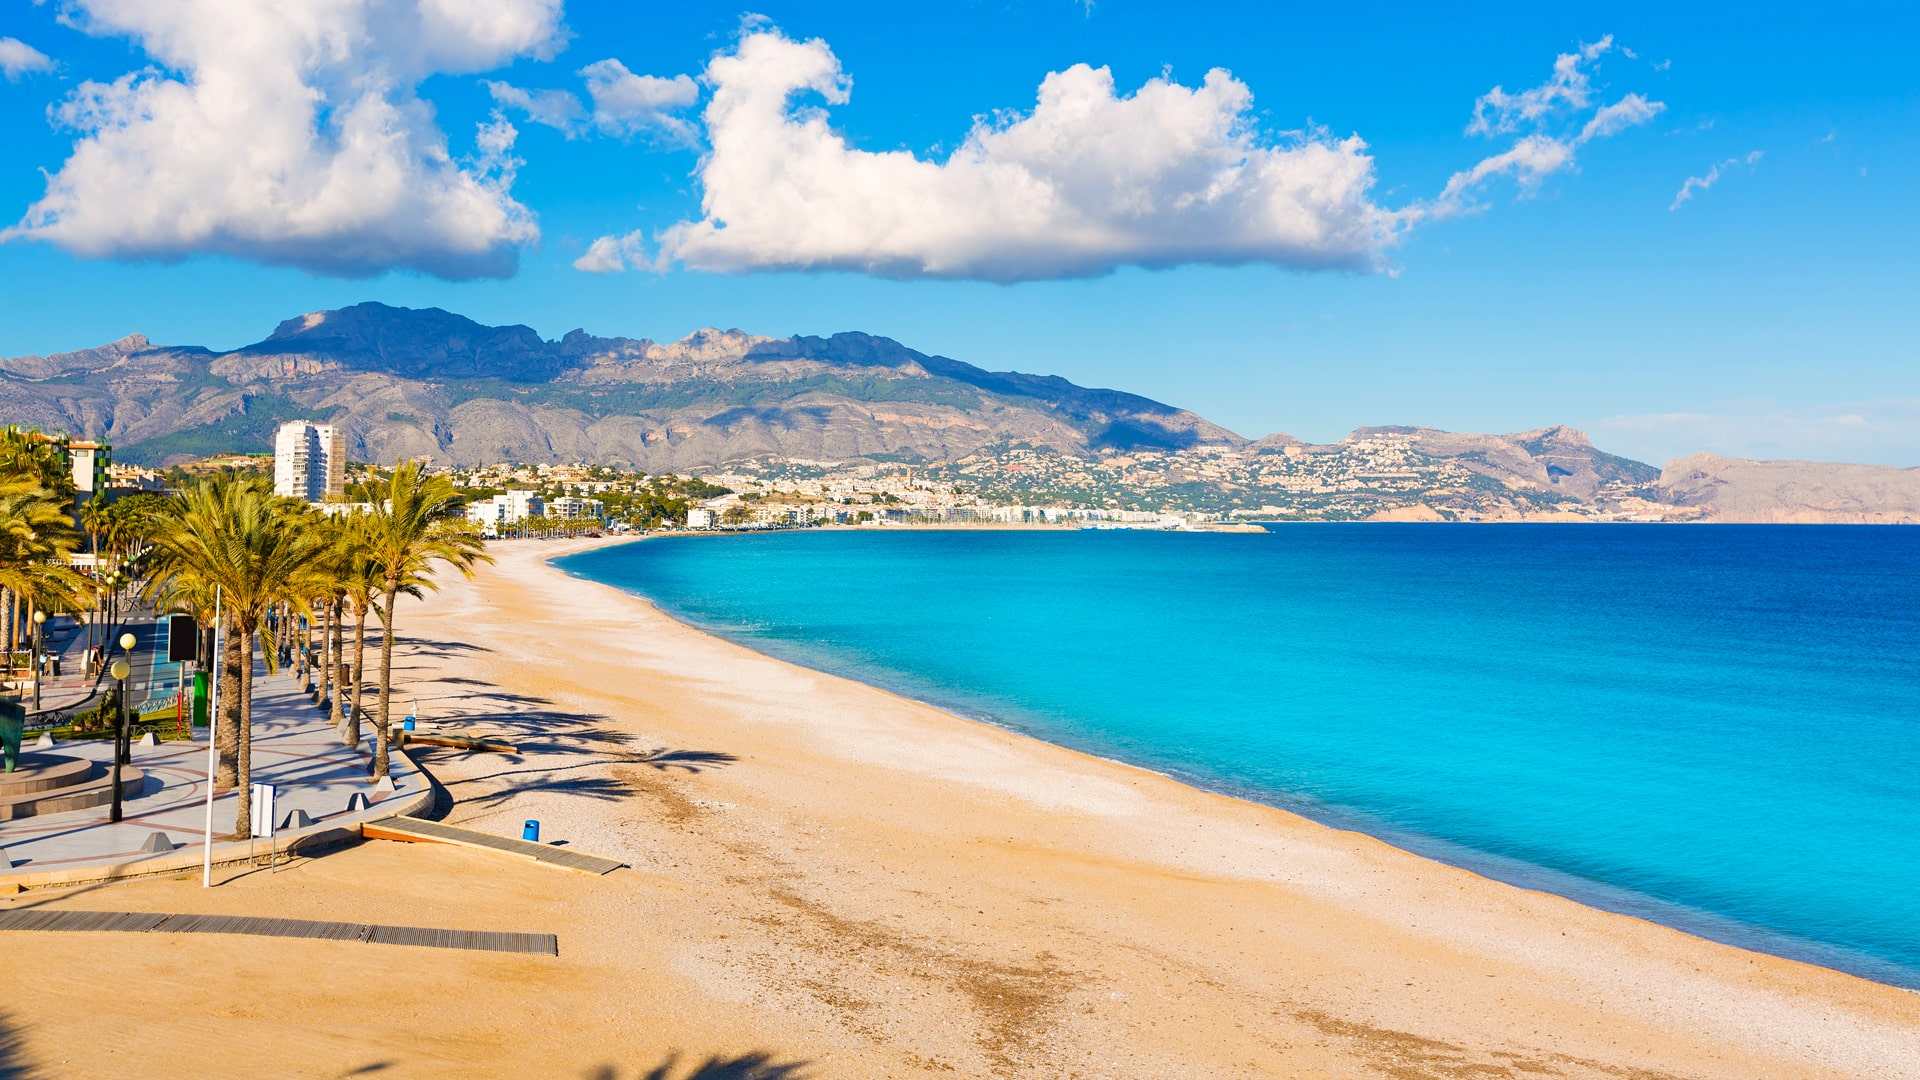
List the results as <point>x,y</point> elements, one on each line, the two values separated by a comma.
<point>416,831</point>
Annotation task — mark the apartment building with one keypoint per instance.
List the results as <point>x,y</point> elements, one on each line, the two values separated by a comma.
<point>505,509</point>
<point>310,461</point>
<point>573,508</point>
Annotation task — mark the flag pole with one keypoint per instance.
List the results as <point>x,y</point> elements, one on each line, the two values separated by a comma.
<point>213,753</point>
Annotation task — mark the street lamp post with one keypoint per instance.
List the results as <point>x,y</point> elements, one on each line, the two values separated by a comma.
<point>39,639</point>
<point>120,670</point>
<point>124,753</point>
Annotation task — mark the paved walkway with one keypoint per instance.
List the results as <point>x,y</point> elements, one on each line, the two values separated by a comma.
<point>152,681</point>
<point>73,685</point>
<point>294,748</point>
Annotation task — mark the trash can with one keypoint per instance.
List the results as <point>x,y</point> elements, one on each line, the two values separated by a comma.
<point>531,832</point>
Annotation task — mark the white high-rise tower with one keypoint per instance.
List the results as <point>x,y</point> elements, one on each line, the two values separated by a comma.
<point>310,461</point>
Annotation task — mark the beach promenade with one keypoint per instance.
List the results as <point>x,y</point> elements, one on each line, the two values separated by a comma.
<point>294,748</point>
<point>827,880</point>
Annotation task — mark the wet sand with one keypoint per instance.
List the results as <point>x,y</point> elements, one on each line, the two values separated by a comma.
<point>830,881</point>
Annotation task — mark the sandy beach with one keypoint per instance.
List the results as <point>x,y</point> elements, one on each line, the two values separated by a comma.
<point>830,881</point>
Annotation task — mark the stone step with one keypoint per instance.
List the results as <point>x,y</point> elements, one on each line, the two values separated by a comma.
<point>96,791</point>
<point>40,772</point>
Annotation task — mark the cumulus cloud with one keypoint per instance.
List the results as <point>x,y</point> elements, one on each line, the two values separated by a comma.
<point>1088,180</point>
<point>624,104</point>
<point>610,254</point>
<point>292,134</point>
<point>553,108</point>
<point>1701,183</point>
<point>18,58</point>
<point>629,104</point>
<point>1549,109</point>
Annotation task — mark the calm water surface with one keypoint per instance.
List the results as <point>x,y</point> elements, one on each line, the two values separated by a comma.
<point>1714,727</point>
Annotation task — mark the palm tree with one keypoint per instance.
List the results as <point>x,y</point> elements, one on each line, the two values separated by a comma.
<point>29,454</point>
<point>407,533</point>
<point>358,582</point>
<point>258,550</point>
<point>35,537</point>
<point>330,591</point>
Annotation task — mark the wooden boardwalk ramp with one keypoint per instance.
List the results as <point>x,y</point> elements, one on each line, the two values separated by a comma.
<point>154,922</point>
<point>415,831</point>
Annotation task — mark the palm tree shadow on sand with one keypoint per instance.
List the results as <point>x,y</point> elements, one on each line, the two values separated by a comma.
<point>14,1065</point>
<point>692,761</point>
<point>758,1065</point>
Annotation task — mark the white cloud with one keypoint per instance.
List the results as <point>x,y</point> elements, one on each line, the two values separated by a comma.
<point>553,108</point>
<point>292,134</point>
<point>1701,183</point>
<point>1630,111</point>
<point>18,58</point>
<point>629,104</point>
<point>1535,156</point>
<point>624,104</point>
<point>1087,181</point>
<point>1530,160</point>
<point>614,253</point>
<point>1885,430</point>
<point>1498,112</point>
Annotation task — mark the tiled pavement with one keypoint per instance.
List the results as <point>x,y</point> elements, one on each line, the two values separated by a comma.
<point>294,748</point>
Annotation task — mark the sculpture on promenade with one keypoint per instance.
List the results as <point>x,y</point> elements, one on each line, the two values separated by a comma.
<point>13,724</point>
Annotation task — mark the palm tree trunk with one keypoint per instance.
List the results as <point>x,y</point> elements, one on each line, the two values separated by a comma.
<point>227,743</point>
<point>359,669</point>
<point>243,783</point>
<point>386,683</point>
<point>326,654</point>
<point>339,657</point>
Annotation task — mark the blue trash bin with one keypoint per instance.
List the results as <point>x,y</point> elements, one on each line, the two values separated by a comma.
<point>531,832</point>
<point>407,724</point>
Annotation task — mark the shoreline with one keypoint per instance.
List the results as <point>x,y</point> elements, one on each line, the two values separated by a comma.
<point>1516,873</point>
<point>1193,785</point>
<point>828,876</point>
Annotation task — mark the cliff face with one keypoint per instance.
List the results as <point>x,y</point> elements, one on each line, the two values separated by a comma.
<point>1735,489</point>
<point>408,383</point>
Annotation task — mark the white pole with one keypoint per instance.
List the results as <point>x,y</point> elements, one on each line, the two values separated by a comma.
<point>213,754</point>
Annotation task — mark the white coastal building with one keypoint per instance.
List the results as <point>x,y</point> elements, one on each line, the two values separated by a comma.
<point>572,508</point>
<point>310,461</point>
<point>505,508</point>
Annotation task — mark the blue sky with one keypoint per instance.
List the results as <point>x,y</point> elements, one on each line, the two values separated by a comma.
<point>1768,314</point>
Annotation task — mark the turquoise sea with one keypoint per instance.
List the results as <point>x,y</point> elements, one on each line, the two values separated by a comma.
<point>1714,727</point>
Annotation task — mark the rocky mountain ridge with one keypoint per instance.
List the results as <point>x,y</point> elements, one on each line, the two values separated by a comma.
<point>412,383</point>
<point>1793,492</point>
<point>408,383</point>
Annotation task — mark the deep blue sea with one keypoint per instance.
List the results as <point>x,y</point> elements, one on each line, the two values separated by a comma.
<point>1716,727</point>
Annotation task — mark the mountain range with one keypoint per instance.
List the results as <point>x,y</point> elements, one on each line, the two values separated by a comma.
<point>427,382</point>
<point>407,383</point>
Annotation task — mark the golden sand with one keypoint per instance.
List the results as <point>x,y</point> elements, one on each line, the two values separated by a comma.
<point>830,881</point>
